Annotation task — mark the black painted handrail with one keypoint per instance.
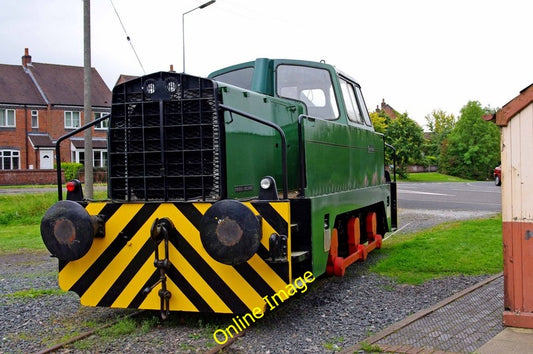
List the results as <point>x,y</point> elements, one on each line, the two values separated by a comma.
<point>58,152</point>
<point>283,142</point>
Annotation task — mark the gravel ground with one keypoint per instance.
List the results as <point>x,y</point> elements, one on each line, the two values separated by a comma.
<point>334,313</point>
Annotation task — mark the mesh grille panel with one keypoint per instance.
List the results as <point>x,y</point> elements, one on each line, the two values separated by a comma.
<point>165,139</point>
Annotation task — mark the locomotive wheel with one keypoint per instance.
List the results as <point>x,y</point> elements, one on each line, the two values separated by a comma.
<point>230,232</point>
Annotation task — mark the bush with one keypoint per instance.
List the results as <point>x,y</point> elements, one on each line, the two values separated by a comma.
<point>72,170</point>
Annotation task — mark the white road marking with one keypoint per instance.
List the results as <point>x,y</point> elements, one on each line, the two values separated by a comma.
<point>426,193</point>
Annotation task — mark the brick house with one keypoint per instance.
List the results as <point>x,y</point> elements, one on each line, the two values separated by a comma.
<point>38,104</point>
<point>386,109</point>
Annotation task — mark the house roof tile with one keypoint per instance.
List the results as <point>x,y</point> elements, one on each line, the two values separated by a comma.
<point>63,84</point>
<point>513,107</point>
<point>16,87</point>
<point>123,78</point>
<point>41,140</point>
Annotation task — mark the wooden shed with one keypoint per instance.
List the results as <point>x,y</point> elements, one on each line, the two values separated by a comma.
<point>516,121</point>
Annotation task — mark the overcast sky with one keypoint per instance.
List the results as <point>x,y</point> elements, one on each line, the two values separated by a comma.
<point>418,55</point>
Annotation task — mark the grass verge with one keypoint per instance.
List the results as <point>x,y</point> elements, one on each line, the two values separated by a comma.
<point>25,209</point>
<point>432,177</point>
<point>20,237</point>
<point>471,247</point>
<point>20,217</point>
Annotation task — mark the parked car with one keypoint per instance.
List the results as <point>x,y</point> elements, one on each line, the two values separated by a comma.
<point>498,176</point>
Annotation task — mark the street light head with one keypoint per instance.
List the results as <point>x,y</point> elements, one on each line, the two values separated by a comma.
<point>207,4</point>
<point>183,25</point>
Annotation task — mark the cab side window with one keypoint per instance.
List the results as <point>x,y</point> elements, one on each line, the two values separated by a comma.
<point>312,86</point>
<point>362,105</point>
<point>240,78</point>
<point>352,108</point>
<point>355,104</point>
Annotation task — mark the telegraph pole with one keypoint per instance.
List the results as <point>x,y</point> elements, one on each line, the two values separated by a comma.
<point>87,112</point>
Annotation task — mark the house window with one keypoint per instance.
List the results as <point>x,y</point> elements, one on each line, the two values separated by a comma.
<point>78,156</point>
<point>35,119</point>
<point>7,118</point>
<point>9,160</point>
<point>72,119</point>
<point>103,124</point>
<point>99,157</point>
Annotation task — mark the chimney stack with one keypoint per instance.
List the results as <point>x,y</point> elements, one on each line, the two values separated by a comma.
<point>26,59</point>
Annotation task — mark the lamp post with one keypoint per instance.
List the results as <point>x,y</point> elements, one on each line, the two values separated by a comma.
<point>183,25</point>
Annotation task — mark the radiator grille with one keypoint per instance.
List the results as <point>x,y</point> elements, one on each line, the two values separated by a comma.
<point>165,139</point>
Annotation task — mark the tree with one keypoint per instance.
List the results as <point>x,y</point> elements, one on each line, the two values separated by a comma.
<point>440,125</point>
<point>473,146</point>
<point>407,137</point>
<point>380,122</point>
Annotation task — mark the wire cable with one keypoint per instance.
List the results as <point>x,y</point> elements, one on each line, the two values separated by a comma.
<point>398,230</point>
<point>127,36</point>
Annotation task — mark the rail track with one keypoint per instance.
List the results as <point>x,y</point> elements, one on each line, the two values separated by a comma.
<point>64,344</point>
<point>86,334</point>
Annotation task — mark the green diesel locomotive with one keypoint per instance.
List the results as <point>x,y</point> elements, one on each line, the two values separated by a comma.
<point>224,190</point>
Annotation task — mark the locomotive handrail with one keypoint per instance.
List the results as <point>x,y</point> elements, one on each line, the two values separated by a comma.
<point>301,148</point>
<point>393,159</point>
<point>393,189</point>
<point>58,152</point>
<point>283,142</point>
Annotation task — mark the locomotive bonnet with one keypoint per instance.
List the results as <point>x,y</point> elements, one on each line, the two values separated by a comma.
<point>224,190</point>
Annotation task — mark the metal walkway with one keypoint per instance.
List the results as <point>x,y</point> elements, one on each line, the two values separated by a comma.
<point>460,324</point>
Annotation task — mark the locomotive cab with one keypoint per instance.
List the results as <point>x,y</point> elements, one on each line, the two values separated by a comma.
<point>224,190</point>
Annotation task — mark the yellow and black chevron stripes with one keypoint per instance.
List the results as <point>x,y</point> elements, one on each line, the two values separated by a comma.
<point>120,266</point>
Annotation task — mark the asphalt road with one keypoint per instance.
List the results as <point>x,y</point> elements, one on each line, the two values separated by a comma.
<point>424,205</point>
<point>468,196</point>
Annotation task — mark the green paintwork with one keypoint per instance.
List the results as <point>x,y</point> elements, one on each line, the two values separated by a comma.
<point>254,150</point>
<point>345,171</point>
<point>341,157</point>
<point>344,160</point>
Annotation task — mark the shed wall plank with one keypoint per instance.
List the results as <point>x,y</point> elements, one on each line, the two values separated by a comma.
<point>507,212</point>
<point>526,159</point>
<point>517,162</point>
